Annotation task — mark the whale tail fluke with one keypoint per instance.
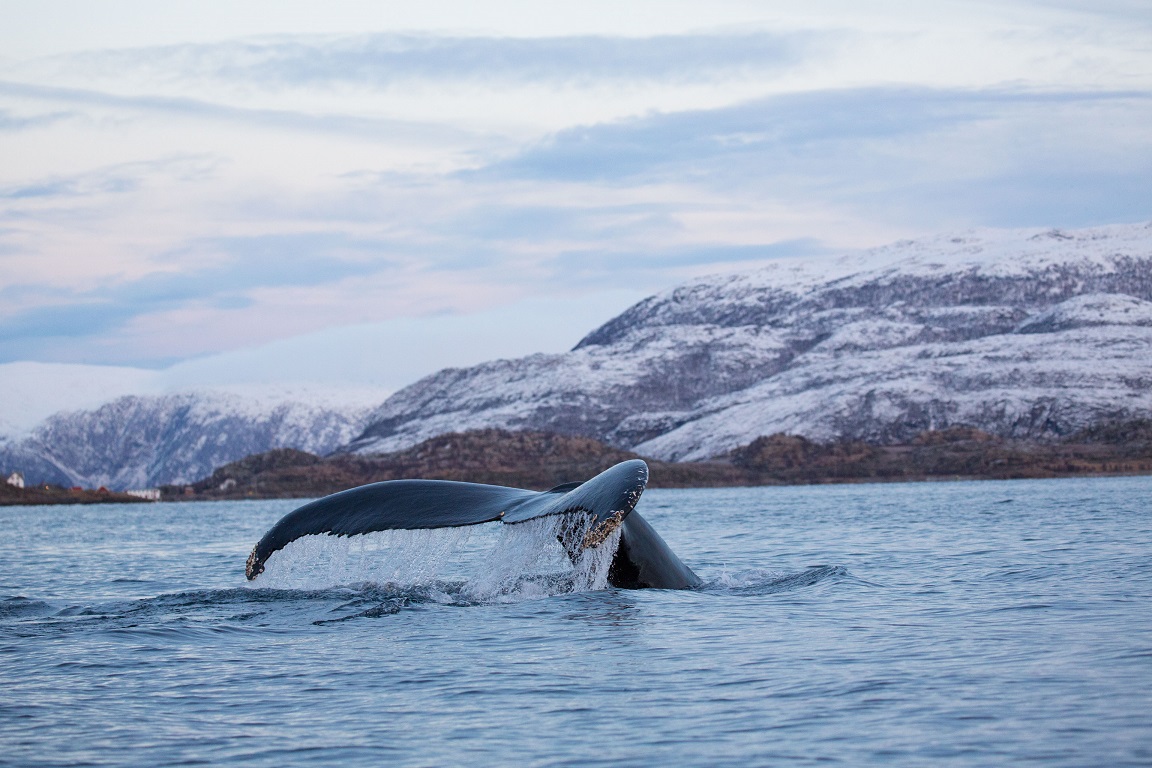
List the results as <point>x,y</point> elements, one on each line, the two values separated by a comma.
<point>642,559</point>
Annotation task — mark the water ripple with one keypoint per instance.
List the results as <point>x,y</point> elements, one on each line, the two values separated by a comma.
<point>942,628</point>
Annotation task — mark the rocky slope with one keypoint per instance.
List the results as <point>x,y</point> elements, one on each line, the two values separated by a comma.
<point>1022,334</point>
<point>542,460</point>
<point>520,459</point>
<point>144,441</point>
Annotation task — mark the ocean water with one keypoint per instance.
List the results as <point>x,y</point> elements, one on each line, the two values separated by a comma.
<point>963,624</point>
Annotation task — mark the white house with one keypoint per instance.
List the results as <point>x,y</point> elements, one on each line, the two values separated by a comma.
<point>16,479</point>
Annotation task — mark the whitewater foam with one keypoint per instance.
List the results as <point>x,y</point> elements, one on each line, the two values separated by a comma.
<point>480,563</point>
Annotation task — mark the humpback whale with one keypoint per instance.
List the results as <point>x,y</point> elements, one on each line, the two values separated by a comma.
<point>606,503</point>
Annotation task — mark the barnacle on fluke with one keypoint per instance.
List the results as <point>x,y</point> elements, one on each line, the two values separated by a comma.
<point>642,558</point>
<point>603,529</point>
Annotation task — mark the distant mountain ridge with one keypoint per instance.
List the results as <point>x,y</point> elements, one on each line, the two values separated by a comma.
<point>145,441</point>
<point>1030,334</point>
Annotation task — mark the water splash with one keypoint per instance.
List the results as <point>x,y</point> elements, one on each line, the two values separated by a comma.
<point>399,558</point>
<point>544,557</point>
<point>469,564</point>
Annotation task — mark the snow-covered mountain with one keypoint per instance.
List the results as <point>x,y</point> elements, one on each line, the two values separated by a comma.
<point>138,441</point>
<point>1020,333</point>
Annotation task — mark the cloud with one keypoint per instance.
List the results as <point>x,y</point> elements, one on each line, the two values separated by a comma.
<point>10,121</point>
<point>337,279</point>
<point>294,120</point>
<point>381,60</point>
<point>773,133</point>
<point>121,178</point>
<point>394,353</point>
<point>502,220</point>
<point>236,266</point>
<point>628,265</point>
<point>337,232</point>
<point>1044,156</point>
<point>586,209</point>
<point>1128,11</point>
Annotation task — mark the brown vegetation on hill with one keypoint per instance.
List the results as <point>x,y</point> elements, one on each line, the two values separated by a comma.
<point>541,460</point>
<point>54,494</point>
<point>953,453</point>
<point>521,459</point>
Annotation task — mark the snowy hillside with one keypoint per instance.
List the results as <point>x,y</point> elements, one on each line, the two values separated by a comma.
<point>143,441</point>
<point>1021,333</point>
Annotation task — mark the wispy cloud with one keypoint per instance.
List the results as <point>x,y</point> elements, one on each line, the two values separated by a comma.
<point>172,200</point>
<point>1129,11</point>
<point>781,132</point>
<point>96,186</point>
<point>989,154</point>
<point>189,108</point>
<point>636,267</point>
<point>378,60</point>
<point>237,275</point>
<point>10,121</point>
<point>236,266</point>
<point>117,179</point>
<point>585,209</point>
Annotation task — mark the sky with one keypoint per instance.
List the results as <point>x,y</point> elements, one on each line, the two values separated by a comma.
<point>364,192</point>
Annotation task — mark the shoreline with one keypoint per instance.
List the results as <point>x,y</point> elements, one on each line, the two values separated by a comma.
<point>64,497</point>
<point>51,495</point>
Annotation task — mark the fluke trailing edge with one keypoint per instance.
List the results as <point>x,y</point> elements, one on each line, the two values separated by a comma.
<point>607,500</point>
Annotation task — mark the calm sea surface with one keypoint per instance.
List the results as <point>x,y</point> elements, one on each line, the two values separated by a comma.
<point>920,624</point>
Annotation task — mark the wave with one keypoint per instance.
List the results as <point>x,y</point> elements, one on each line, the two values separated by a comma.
<point>759,581</point>
<point>245,609</point>
<point>323,580</point>
<point>20,606</point>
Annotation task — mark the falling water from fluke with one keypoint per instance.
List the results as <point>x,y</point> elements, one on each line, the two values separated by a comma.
<point>543,556</point>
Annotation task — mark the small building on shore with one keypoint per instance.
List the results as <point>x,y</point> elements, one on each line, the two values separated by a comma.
<point>151,494</point>
<point>16,479</point>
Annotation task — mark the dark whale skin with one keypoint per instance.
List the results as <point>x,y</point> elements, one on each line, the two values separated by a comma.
<point>642,560</point>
